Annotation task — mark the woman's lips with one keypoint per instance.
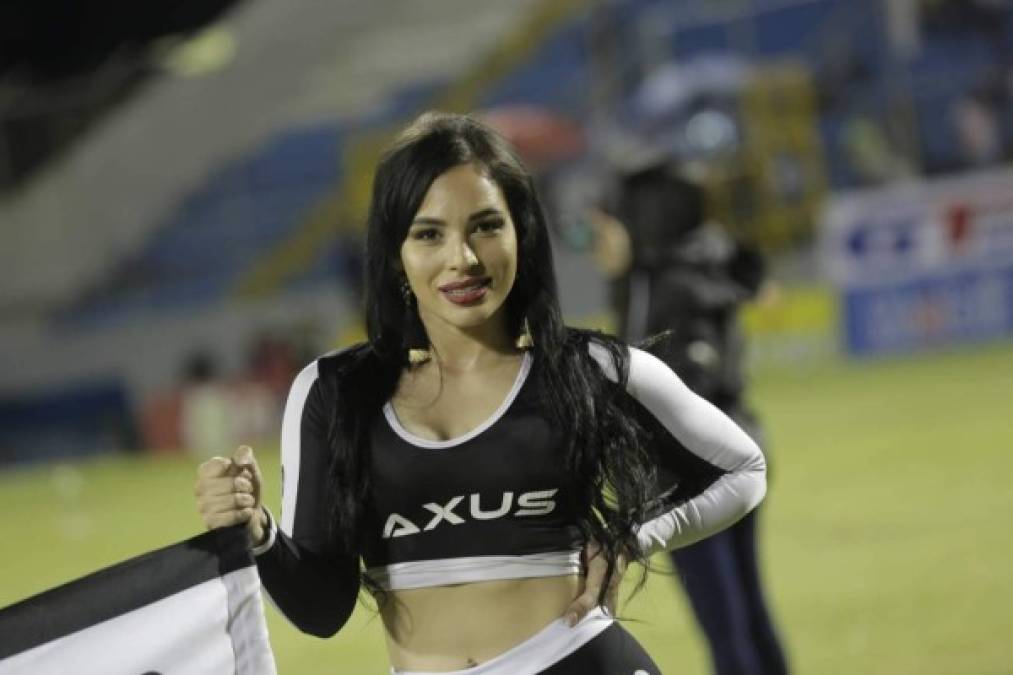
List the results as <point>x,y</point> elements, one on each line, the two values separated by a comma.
<point>465,292</point>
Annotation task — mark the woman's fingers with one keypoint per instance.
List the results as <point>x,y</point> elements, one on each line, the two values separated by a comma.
<point>215,467</point>
<point>595,567</point>
<point>243,459</point>
<point>596,570</point>
<point>612,600</point>
<point>236,501</point>
<point>228,491</point>
<point>228,518</point>
<point>246,466</point>
<point>214,487</point>
<point>612,594</point>
<point>584,603</point>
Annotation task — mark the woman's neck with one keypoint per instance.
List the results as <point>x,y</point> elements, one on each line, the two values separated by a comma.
<point>468,350</point>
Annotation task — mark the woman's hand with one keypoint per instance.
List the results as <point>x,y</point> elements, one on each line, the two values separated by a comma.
<point>588,599</point>
<point>228,493</point>
<point>611,248</point>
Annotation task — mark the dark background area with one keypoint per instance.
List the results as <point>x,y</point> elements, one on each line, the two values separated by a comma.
<point>64,63</point>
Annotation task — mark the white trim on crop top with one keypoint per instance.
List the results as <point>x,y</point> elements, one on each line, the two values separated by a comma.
<point>409,437</point>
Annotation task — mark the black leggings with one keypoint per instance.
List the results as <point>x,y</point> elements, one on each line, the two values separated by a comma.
<point>612,652</point>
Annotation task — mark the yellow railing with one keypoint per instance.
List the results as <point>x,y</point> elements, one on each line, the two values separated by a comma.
<point>781,138</point>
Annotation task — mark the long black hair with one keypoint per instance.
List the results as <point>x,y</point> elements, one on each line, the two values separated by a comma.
<point>603,443</point>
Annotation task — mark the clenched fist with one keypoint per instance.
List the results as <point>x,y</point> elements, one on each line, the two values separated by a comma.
<point>228,493</point>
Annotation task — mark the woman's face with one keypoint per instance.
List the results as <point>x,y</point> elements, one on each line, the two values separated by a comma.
<point>460,254</point>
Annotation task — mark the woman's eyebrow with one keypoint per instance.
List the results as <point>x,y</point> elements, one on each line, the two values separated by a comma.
<point>477,215</point>
<point>484,213</point>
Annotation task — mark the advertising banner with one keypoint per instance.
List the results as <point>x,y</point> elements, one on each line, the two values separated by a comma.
<point>922,264</point>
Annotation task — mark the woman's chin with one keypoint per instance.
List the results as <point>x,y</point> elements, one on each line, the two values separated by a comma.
<point>467,318</point>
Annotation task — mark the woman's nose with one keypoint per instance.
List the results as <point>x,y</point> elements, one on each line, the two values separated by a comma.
<point>464,257</point>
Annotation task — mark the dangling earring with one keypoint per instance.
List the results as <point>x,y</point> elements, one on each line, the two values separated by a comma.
<point>415,340</point>
<point>417,357</point>
<point>524,340</point>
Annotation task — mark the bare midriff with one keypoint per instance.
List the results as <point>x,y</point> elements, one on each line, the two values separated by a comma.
<point>446,628</point>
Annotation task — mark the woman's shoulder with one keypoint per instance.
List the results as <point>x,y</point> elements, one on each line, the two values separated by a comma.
<point>344,358</point>
<point>336,366</point>
<point>620,360</point>
<point>610,353</point>
<point>591,338</point>
<point>601,344</point>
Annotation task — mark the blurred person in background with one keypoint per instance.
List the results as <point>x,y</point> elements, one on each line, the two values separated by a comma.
<point>271,362</point>
<point>493,469</point>
<point>674,272</point>
<point>979,134</point>
<point>218,409</point>
<point>204,420</point>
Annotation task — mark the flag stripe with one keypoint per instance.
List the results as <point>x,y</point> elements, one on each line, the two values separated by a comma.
<point>141,581</point>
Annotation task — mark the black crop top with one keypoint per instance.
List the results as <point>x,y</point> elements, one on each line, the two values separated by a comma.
<point>493,504</point>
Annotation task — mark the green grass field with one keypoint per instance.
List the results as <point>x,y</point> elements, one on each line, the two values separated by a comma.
<point>887,534</point>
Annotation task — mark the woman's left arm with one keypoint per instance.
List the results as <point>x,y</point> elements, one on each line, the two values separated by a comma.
<point>731,459</point>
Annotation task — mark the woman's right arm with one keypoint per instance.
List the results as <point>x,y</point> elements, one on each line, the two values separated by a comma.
<point>312,582</point>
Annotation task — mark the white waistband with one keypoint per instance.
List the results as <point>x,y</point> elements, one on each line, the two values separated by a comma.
<point>546,647</point>
<point>426,573</point>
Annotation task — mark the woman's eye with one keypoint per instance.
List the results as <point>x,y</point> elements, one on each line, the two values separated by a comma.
<point>489,225</point>
<point>427,234</point>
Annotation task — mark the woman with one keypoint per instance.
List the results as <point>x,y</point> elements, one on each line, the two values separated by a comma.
<point>475,445</point>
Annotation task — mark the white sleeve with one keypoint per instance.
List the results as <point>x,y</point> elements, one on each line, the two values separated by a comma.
<point>706,432</point>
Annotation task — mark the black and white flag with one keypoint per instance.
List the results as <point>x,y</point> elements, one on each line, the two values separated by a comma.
<point>187,609</point>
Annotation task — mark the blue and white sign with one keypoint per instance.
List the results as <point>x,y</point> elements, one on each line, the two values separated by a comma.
<point>923,264</point>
